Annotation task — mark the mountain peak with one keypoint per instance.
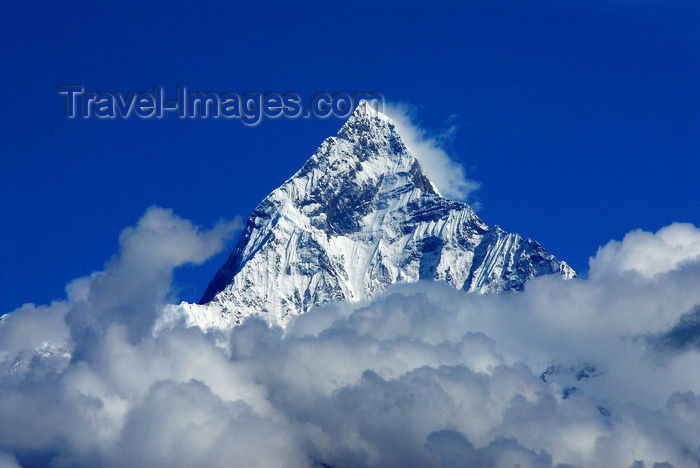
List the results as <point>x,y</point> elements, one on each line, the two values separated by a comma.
<point>366,119</point>
<point>359,216</point>
<point>365,109</point>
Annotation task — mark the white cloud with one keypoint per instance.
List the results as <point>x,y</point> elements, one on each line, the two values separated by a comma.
<point>7,460</point>
<point>31,328</point>
<point>134,284</point>
<point>447,174</point>
<point>422,375</point>
<point>648,254</point>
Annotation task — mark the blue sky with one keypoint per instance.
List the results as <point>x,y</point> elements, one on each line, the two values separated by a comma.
<point>581,119</point>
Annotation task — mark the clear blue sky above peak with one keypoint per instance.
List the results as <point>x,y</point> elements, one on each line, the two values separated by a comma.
<point>580,119</point>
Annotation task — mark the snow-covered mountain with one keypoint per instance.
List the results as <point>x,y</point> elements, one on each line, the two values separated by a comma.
<point>358,217</point>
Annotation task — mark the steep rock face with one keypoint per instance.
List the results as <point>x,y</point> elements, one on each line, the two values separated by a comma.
<point>358,217</point>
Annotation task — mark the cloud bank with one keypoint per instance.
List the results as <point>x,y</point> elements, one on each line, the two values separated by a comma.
<point>596,373</point>
<point>447,174</point>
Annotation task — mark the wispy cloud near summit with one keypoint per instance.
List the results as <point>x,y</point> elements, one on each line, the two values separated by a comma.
<point>444,171</point>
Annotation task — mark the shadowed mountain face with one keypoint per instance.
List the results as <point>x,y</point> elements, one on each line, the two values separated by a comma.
<point>358,217</point>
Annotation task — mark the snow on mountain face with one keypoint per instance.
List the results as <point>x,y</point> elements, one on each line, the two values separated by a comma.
<point>358,217</point>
